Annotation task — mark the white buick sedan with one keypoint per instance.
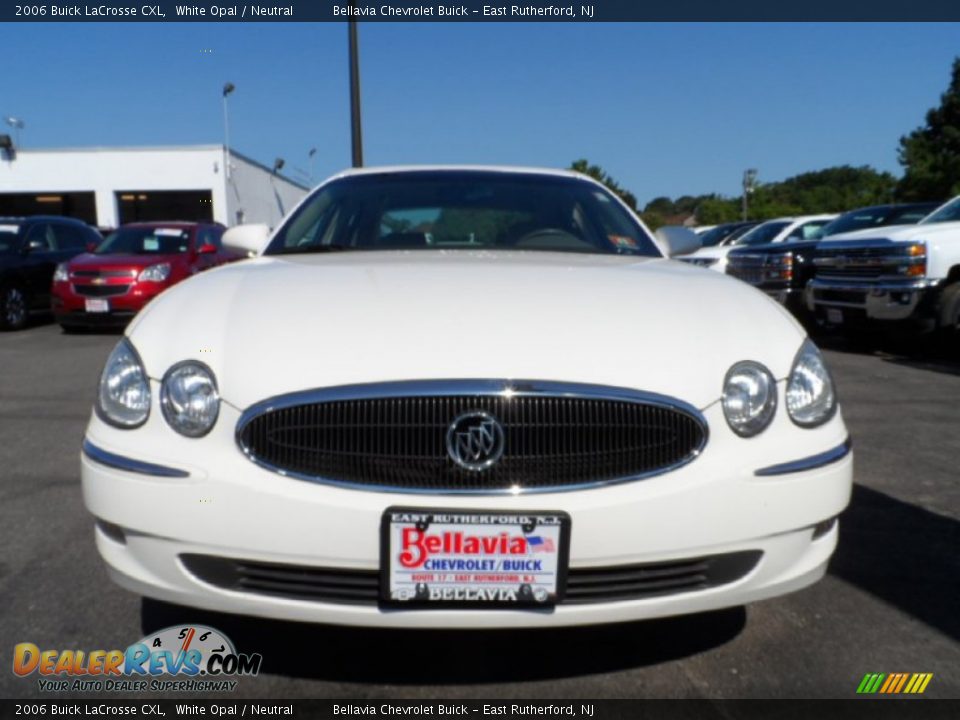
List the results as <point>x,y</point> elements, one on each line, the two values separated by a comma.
<point>464,397</point>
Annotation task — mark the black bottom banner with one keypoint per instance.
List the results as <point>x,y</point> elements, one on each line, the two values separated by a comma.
<point>861,709</point>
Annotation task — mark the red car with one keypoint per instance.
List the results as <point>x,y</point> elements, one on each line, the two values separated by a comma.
<point>132,266</point>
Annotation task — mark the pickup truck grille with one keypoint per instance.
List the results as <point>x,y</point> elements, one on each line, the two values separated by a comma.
<point>396,436</point>
<point>759,269</point>
<point>869,261</point>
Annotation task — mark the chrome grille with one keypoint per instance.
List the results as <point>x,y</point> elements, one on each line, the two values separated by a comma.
<point>869,261</point>
<point>749,268</point>
<point>393,436</point>
<point>616,583</point>
<point>104,273</point>
<point>99,291</point>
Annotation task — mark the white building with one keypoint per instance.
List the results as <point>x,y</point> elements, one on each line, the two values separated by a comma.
<point>111,186</point>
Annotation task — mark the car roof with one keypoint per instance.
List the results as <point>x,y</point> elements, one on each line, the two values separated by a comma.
<point>42,218</point>
<point>511,169</point>
<point>185,224</point>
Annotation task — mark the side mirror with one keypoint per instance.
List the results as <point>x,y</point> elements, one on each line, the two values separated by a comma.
<point>247,240</point>
<point>678,240</point>
<point>206,249</point>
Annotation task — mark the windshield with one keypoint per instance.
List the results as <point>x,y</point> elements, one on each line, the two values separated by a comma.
<point>462,210</point>
<point>948,213</point>
<point>145,241</point>
<point>856,220</point>
<point>8,237</point>
<point>874,217</point>
<point>763,234</point>
<point>714,237</point>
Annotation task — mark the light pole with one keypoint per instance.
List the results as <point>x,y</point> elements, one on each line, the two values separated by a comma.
<point>17,124</point>
<point>749,182</point>
<point>356,138</point>
<point>227,89</point>
<point>313,151</point>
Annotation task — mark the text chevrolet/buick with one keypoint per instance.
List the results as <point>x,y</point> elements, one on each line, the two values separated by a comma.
<point>464,397</point>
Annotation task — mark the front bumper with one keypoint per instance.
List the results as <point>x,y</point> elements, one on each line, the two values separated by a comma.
<point>69,307</point>
<point>224,506</point>
<point>874,301</point>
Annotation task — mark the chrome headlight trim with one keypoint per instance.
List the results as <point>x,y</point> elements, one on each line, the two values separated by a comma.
<point>167,404</point>
<point>136,367</point>
<point>767,391</point>
<point>809,360</point>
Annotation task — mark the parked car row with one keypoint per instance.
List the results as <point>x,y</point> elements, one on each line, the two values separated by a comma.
<point>87,280</point>
<point>883,263</point>
<point>771,232</point>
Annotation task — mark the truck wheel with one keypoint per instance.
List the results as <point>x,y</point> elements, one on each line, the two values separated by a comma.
<point>948,322</point>
<point>13,308</point>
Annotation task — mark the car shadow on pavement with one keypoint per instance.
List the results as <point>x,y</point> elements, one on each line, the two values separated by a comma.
<point>439,657</point>
<point>920,352</point>
<point>903,555</point>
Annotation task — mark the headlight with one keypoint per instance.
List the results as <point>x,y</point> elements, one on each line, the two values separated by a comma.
<point>749,398</point>
<point>916,264</point>
<point>811,399</point>
<point>155,273</point>
<point>189,398</point>
<point>123,399</point>
<point>701,262</point>
<point>61,274</point>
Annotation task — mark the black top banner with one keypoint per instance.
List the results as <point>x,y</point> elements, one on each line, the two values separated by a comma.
<point>167,11</point>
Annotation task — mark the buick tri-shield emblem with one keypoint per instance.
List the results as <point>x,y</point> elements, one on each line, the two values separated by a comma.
<point>475,440</point>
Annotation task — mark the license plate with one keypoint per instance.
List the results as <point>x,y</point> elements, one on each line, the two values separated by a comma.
<point>835,316</point>
<point>97,305</point>
<point>478,558</point>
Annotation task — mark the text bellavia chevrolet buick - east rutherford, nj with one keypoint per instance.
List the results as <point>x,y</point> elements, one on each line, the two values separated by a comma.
<point>464,397</point>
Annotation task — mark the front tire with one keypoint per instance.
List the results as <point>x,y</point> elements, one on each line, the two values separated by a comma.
<point>13,308</point>
<point>948,320</point>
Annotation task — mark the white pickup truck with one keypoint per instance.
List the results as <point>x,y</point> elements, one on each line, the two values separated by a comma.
<point>899,273</point>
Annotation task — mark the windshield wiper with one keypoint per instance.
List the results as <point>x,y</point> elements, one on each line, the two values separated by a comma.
<point>315,249</point>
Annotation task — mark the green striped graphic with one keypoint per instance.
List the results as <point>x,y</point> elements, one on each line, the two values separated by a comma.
<point>870,683</point>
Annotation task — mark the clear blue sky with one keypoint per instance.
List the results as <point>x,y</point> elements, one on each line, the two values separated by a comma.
<point>667,109</point>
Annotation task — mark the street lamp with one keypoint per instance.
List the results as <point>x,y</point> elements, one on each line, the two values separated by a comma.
<point>313,151</point>
<point>227,89</point>
<point>17,124</point>
<point>749,183</point>
<point>356,138</point>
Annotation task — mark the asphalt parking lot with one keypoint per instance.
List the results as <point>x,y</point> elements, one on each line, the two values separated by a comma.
<point>890,603</point>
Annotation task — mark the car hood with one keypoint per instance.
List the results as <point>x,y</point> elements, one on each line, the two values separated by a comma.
<point>90,261</point>
<point>713,251</point>
<point>772,248</point>
<point>276,325</point>
<point>898,233</point>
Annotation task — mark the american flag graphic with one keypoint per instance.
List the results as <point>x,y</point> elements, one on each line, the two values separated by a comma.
<point>541,544</point>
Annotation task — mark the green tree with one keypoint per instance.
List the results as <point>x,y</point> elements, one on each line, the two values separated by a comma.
<point>833,189</point>
<point>661,205</point>
<point>930,154</point>
<point>598,173</point>
<point>652,219</point>
<point>715,210</point>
